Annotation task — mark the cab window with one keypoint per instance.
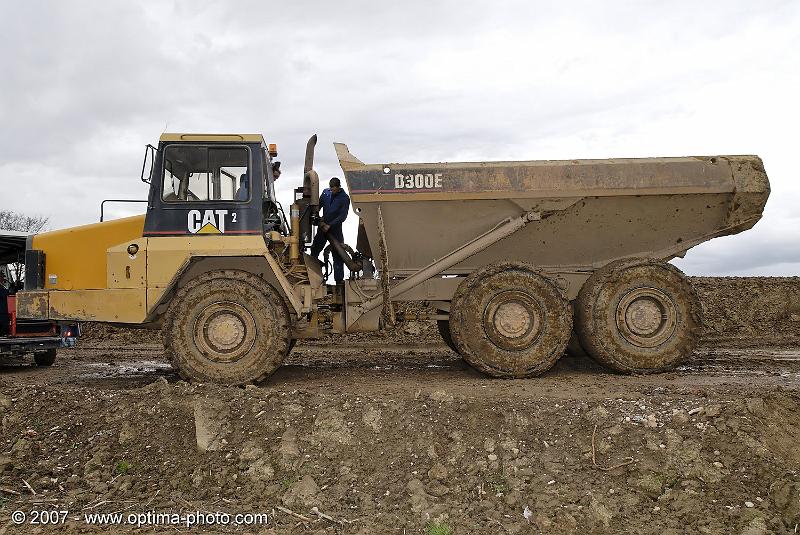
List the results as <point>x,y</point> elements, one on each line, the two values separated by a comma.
<point>196,173</point>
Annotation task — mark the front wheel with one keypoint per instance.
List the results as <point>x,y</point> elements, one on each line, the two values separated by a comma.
<point>227,327</point>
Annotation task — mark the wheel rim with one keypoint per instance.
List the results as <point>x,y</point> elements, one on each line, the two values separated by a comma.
<point>646,317</point>
<point>513,320</point>
<point>225,331</point>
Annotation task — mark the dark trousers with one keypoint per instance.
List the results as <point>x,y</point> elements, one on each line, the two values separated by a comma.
<point>320,239</point>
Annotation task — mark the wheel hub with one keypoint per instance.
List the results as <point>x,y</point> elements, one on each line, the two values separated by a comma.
<point>643,316</point>
<point>646,317</point>
<point>512,320</point>
<point>224,331</point>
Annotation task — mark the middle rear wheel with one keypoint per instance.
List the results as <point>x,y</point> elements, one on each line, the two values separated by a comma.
<point>507,320</point>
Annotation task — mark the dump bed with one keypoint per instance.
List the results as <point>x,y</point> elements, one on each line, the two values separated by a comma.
<point>591,211</point>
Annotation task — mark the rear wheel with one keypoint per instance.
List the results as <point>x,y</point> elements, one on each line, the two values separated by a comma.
<point>45,358</point>
<point>638,316</point>
<point>227,327</point>
<point>507,320</point>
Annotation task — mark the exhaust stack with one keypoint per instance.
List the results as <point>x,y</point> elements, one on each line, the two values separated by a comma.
<point>310,177</point>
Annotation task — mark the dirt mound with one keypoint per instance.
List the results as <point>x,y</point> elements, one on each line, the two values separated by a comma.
<point>106,335</point>
<point>750,311</point>
<point>660,464</point>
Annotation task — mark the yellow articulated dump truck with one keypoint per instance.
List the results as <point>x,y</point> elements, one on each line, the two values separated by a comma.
<point>511,257</point>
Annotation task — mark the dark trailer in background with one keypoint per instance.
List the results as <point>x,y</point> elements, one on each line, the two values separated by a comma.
<point>22,336</point>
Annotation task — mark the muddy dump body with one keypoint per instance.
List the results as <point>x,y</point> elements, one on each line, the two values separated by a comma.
<point>588,212</point>
<point>520,259</point>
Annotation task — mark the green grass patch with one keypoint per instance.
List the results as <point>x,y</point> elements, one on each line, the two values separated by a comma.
<point>287,482</point>
<point>438,528</point>
<point>122,467</point>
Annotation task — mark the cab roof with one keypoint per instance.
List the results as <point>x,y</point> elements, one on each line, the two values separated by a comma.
<point>223,138</point>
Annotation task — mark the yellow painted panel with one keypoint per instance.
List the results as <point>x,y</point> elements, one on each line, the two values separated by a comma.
<point>154,294</point>
<point>75,258</point>
<point>126,270</point>
<point>223,245</point>
<point>166,255</point>
<point>122,306</point>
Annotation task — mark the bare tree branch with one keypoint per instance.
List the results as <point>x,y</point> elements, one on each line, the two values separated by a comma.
<point>22,223</point>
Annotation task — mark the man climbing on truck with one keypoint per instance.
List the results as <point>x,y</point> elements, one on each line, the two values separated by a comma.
<point>335,204</point>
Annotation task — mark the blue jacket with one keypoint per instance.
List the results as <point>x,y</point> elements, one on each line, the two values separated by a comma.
<point>334,207</point>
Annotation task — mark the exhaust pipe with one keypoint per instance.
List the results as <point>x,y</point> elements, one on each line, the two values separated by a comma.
<point>310,177</point>
<point>309,163</point>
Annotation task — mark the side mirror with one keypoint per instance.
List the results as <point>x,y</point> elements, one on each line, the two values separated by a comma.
<point>149,158</point>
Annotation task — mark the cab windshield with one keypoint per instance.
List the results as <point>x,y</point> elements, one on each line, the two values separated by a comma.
<point>197,173</point>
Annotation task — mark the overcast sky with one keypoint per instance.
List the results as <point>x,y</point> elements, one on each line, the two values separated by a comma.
<point>85,85</point>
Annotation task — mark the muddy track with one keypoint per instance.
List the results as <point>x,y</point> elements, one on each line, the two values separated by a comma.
<point>407,368</point>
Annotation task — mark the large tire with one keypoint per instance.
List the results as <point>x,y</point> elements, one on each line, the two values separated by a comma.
<point>507,320</point>
<point>444,331</point>
<point>45,358</point>
<point>227,327</point>
<point>638,316</point>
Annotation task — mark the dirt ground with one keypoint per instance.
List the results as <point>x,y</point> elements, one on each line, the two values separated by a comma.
<point>393,433</point>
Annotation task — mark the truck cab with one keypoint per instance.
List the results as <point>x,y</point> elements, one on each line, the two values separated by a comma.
<point>212,184</point>
<point>211,216</point>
